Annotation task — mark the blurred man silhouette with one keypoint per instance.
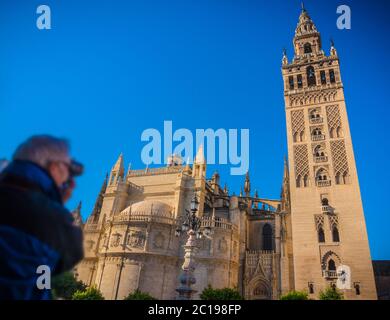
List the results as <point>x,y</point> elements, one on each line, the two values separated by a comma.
<point>3,164</point>
<point>35,228</point>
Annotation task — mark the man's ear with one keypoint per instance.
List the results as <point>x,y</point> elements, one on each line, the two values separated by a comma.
<point>54,172</point>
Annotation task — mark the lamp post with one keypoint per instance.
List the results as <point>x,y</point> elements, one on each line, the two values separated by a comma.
<point>191,224</point>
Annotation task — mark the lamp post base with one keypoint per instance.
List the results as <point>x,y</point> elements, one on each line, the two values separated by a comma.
<point>187,278</point>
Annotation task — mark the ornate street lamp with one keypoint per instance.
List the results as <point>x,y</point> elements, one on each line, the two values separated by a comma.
<point>191,225</point>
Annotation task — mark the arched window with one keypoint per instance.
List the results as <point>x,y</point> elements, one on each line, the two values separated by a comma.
<point>298,181</point>
<point>295,137</point>
<point>311,77</point>
<point>305,180</point>
<point>322,175</point>
<point>299,81</point>
<point>317,132</point>
<point>335,234</point>
<point>357,289</point>
<point>331,265</point>
<point>338,132</point>
<point>291,82</point>
<point>307,47</point>
<point>318,151</point>
<point>332,76</point>
<point>323,77</point>
<point>345,178</point>
<point>315,114</point>
<point>321,235</point>
<point>267,237</point>
<point>325,202</point>
<point>338,181</point>
<point>331,132</point>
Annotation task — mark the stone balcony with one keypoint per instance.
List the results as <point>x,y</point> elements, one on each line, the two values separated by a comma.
<point>219,223</point>
<point>316,120</point>
<point>320,159</point>
<point>329,274</point>
<point>323,183</point>
<point>326,209</point>
<point>318,137</point>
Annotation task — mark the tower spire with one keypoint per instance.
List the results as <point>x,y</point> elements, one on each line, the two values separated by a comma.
<point>247,185</point>
<point>187,168</point>
<point>118,166</point>
<point>285,58</point>
<point>199,158</point>
<point>77,216</point>
<point>199,165</point>
<point>285,171</point>
<point>99,201</point>
<point>333,51</point>
<point>307,39</point>
<point>118,170</point>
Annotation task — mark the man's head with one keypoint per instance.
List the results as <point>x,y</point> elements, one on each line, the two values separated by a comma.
<point>51,154</point>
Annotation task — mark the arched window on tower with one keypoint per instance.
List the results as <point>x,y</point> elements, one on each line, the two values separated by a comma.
<point>357,289</point>
<point>322,175</point>
<point>311,77</point>
<point>319,153</point>
<point>322,178</point>
<point>335,234</point>
<point>315,114</point>
<point>339,132</point>
<point>291,82</point>
<point>299,81</point>
<point>302,136</point>
<point>295,137</point>
<point>331,132</point>
<point>332,77</point>
<point>345,178</point>
<point>323,77</point>
<point>331,265</point>
<point>267,237</point>
<point>307,47</point>
<point>298,181</point>
<point>305,180</point>
<point>321,235</point>
<point>338,180</point>
<point>317,132</point>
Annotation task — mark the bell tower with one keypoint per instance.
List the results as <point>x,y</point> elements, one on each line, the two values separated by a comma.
<point>327,219</point>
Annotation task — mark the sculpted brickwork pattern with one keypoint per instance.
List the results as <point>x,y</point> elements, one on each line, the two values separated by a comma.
<point>339,157</point>
<point>297,123</point>
<point>301,161</point>
<point>319,221</point>
<point>333,115</point>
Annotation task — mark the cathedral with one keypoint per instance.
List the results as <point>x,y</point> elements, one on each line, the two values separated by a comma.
<point>311,238</point>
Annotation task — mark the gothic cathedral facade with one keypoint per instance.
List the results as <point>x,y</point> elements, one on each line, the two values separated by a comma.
<point>313,237</point>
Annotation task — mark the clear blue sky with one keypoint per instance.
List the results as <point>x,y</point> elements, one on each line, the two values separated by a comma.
<point>110,69</point>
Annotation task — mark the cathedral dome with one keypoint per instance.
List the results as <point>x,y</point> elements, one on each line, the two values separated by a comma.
<point>152,207</point>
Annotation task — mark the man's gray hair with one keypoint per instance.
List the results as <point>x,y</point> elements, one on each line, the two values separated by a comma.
<point>43,149</point>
